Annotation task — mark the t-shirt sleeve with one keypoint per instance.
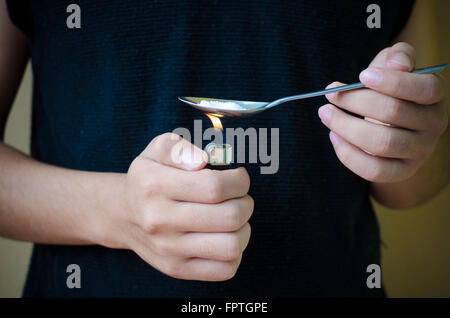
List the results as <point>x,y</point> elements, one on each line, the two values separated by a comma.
<point>20,15</point>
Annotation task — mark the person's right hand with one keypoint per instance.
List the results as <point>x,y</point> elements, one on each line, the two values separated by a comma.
<point>186,221</point>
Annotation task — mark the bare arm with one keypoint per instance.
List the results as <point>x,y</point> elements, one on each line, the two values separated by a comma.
<point>46,204</point>
<point>38,202</point>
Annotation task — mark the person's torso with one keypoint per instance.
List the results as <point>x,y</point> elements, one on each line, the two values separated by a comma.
<point>102,92</point>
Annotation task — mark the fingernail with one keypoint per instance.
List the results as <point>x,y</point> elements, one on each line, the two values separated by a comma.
<point>325,113</point>
<point>401,59</point>
<point>334,138</point>
<point>370,77</point>
<point>192,157</point>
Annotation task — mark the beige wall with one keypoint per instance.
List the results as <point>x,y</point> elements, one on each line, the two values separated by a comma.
<point>14,256</point>
<point>416,257</point>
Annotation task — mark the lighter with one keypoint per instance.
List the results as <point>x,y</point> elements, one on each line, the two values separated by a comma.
<point>220,156</point>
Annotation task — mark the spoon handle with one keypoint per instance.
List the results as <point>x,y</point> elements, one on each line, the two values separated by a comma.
<point>426,70</point>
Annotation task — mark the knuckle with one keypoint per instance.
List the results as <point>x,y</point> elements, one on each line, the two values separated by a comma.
<point>251,205</point>
<point>336,84</point>
<point>248,232</point>
<point>233,217</point>
<point>143,185</point>
<point>138,168</point>
<point>148,186</point>
<point>248,228</point>
<point>404,46</point>
<point>229,273</point>
<point>135,166</point>
<point>169,136</point>
<point>152,224</point>
<point>157,143</point>
<point>233,247</point>
<point>230,270</point>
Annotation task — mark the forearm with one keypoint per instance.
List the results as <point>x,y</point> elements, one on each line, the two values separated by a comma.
<point>46,204</point>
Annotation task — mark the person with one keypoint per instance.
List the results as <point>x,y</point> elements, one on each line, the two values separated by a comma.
<point>102,189</point>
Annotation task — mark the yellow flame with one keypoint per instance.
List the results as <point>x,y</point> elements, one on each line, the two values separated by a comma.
<point>216,120</point>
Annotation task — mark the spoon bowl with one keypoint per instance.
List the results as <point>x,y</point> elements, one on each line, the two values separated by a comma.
<point>241,108</point>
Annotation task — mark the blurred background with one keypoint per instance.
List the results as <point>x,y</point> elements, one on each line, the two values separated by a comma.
<point>415,253</point>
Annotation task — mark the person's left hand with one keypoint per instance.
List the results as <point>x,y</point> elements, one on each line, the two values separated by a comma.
<point>404,115</point>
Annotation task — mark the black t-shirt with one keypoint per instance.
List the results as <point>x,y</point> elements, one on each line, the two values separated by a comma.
<point>102,92</point>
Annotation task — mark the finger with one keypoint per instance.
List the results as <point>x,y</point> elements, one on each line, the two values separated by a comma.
<point>384,108</point>
<point>215,246</point>
<point>424,89</point>
<point>172,150</point>
<point>209,270</point>
<point>202,186</point>
<point>227,216</point>
<point>400,56</point>
<point>191,268</point>
<point>377,139</point>
<point>369,167</point>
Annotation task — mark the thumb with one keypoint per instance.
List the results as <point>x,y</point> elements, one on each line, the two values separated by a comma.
<point>399,57</point>
<point>172,150</point>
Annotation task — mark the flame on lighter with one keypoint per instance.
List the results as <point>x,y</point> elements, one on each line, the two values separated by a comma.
<point>220,156</point>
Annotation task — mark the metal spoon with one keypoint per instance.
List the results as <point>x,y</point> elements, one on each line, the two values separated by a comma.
<point>247,108</point>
